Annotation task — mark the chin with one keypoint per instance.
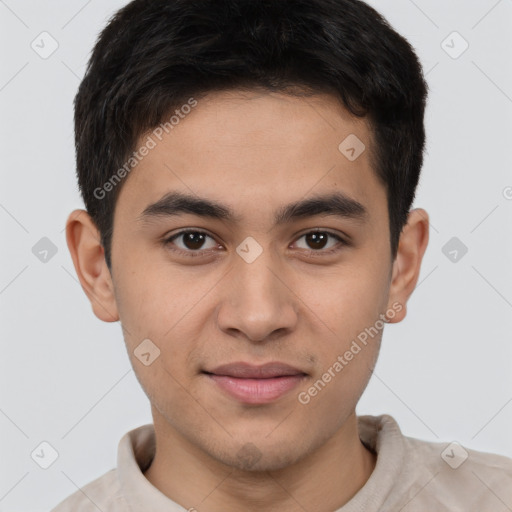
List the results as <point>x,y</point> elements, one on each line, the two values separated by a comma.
<point>259,454</point>
<point>252,459</point>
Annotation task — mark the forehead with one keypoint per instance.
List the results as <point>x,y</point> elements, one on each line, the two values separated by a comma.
<point>257,147</point>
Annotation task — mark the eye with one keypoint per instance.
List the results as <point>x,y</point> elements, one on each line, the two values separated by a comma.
<point>319,241</point>
<point>191,241</point>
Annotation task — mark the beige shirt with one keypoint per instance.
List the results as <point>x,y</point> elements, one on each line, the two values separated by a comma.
<point>410,476</point>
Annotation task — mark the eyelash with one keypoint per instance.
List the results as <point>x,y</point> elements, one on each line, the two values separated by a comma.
<point>198,253</point>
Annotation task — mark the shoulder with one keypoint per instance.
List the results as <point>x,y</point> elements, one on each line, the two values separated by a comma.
<point>453,477</point>
<point>455,456</point>
<point>103,494</point>
<point>420,475</point>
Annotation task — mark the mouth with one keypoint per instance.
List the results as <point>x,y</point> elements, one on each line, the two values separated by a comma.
<point>252,384</point>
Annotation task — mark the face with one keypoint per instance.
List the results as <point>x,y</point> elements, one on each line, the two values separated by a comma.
<point>246,237</point>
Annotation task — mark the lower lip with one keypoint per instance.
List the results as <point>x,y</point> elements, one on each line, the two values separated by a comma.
<point>257,391</point>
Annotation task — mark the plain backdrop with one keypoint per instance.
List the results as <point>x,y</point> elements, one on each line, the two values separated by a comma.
<point>65,377</point>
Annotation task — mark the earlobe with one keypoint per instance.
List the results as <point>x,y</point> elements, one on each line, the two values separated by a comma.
<point>407,265</point>
<point>84,243</point>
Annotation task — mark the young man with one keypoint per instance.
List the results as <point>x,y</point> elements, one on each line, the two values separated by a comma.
<point>248,169</point>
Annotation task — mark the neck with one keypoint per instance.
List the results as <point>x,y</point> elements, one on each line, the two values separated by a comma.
<point>323,480</point>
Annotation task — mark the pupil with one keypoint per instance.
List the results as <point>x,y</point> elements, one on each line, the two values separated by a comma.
<point>316,240</point>
<point>194,240</point>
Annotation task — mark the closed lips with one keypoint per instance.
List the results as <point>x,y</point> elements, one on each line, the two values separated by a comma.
<point>241,370</point>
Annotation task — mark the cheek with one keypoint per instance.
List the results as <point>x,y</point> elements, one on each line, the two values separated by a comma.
<point>154,300</point>
<point>347,346</point>
<point>347,308</point>
<point>350,300</point>
<point>170,310</point>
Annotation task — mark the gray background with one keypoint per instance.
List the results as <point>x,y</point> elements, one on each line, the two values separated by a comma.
<point>444,373</point>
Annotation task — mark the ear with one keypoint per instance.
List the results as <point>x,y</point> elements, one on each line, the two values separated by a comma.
<point>83,239</point>
<point>407,265</point>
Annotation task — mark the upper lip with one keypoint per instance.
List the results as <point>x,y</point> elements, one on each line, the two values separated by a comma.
<point>244,370</point>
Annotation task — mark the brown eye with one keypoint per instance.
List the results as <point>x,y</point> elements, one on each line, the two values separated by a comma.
<point>318,240</point>
<point>191,241</point>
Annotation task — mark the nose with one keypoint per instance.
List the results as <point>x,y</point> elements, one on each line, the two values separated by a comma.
<point>257,304</point>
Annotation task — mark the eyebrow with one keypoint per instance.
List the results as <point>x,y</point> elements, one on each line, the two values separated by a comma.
<point>177,203</point>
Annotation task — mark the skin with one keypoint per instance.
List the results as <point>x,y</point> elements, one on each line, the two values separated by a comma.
<point>253,152</point>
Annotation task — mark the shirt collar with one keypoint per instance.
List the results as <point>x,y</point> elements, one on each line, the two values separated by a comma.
<point>379,433</point>
<point>135,453</point>
<point>382,435</point>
